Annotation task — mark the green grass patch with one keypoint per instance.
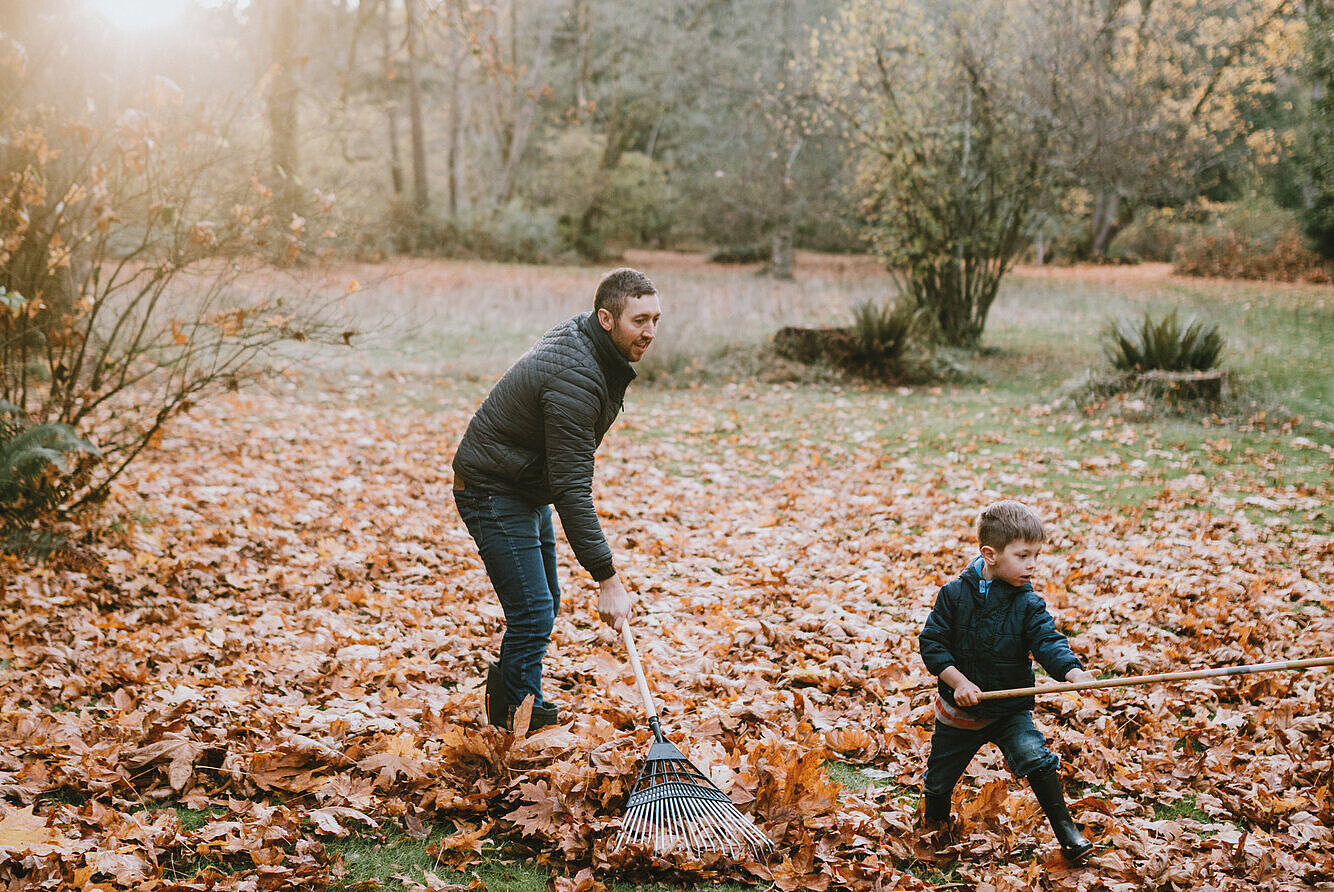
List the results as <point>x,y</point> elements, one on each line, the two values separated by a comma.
<point>1187,807</point>
<point>371,860</point>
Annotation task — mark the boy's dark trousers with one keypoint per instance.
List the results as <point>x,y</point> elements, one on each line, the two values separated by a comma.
<point>1025,751</point>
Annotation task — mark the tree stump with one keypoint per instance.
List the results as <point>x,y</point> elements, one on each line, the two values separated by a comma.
<point>1185,386</point>
<point>808,345</point>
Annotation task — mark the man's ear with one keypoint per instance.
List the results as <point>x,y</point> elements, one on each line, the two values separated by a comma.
<point>606,319</point>
<point>988,554</point>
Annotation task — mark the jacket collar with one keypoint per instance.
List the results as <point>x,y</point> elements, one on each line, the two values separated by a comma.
<point>616,366</point>
<point>999,587</point>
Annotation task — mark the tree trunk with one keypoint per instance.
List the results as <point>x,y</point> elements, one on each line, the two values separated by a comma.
<point>780,267</point>
<point>1110,216</point>
<point>780,264</point>
<point>421,193</point>
<point>282,103</point>
<point>525,104</point>
<point>456,55</point>
<point>391,105</point>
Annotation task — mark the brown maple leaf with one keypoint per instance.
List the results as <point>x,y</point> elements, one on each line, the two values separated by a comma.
<point>23,833</point>
<point>583,881</point>
<point>402,758</point>
<point>180,754</point>
<point>539,814</point>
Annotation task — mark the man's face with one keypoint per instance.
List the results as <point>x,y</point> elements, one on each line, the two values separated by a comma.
<point>1015,564</point>
<point>635,328</point>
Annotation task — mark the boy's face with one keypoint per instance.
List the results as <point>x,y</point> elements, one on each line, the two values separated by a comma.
<point>1015,564</point>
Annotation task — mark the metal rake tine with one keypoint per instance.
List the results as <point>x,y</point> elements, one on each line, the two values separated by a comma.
<point>714,827</point>
<point>699,834</point>
<point>674,803</point>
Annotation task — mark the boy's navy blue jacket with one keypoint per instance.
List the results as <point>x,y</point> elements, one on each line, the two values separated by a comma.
<point>989,640</point>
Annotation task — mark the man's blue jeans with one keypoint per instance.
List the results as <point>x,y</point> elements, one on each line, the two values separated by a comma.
<point>1023,745</point>
<point>518,547</point>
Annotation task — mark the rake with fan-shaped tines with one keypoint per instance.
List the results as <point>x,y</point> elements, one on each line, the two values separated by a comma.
<point>673,804</point>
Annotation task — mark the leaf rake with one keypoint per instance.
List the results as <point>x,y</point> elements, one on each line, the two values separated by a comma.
<point>673,804</point>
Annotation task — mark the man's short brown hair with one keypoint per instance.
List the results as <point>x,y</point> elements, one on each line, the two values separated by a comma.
<point>618,286</point>
<point>1001,523</point>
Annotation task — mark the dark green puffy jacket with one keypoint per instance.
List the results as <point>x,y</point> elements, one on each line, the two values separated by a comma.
<point>535,434</point>
<point>993,640</point>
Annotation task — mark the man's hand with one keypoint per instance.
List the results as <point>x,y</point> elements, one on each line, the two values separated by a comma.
<point>614,602</point>
<point>1080,676</point>
<point>965,692</point>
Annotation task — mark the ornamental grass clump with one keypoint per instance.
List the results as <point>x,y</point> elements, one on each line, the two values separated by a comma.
<point>884,338</point>
<point>1164,345</point>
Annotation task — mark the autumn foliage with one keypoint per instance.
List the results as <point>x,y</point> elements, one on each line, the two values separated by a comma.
<point>294,647</point>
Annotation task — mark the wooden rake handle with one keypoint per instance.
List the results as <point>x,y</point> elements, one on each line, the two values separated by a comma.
<point>1153,679</point>
<point>633,652</point>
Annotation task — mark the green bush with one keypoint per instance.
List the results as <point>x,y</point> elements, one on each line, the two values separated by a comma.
<point>1152,236</point>
<point>1164,345</point>
<point>41,467</point>
<point>512,234</point>
<point>1251,239</point>
<point>755,253</point>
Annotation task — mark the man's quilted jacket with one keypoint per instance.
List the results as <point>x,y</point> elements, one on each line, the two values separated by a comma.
<point>535,434</point>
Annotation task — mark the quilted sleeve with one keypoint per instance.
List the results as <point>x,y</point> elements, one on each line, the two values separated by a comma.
<point>570,408</point>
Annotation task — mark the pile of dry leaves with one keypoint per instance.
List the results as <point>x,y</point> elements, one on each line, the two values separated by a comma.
<point>291,630</point>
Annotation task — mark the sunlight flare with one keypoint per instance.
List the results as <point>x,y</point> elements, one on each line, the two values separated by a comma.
<point>136,16</point>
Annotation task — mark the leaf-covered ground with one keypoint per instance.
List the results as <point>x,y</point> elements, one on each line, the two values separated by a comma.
<point>287,641</point>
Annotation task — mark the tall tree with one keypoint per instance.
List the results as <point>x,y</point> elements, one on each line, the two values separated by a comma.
<point>390,78</point>
<point>527,82</point>
<point>421,190</point>
<point>283,94</point>
<point>1157,93</point>
<point>952,106</point>
<point>1318,152</point>
<point>971,115</point>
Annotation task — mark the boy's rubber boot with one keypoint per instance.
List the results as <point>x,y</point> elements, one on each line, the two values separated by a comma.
<point>497,704</point>
<point>1047,786</point>
<point>935,810</point>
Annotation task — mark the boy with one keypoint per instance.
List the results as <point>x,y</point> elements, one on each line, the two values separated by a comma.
<point>979,637</point>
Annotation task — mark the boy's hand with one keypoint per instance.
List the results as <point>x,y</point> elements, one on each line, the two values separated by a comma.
<point>966,694</point>
<point>1079,676</point>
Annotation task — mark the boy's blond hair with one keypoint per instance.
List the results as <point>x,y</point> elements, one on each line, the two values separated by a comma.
<point>1001,523</point>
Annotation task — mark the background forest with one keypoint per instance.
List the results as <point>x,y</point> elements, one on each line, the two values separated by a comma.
<point>546,129</point>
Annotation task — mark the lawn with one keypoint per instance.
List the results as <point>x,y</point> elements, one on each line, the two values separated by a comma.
<point>273,677</point>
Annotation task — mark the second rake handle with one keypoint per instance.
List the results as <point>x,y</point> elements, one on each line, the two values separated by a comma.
<point>639,670</point>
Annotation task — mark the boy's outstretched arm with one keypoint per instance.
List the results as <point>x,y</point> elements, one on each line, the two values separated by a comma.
<point>965,692</point>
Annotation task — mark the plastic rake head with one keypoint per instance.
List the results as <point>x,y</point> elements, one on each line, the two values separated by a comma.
<point>673,805</point>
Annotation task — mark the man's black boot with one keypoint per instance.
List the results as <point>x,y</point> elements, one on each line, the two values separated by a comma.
<point>1051,796</point>
<point>497,704</point>
<point>935,810</point>
<point>541,717</point>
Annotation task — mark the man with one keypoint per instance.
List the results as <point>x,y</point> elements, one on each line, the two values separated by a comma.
<point>530,446</point>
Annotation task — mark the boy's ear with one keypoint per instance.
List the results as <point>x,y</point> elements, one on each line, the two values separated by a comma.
<point>988,554</point>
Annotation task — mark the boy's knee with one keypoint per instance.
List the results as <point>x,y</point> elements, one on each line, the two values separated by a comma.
<point>1038,762</point>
